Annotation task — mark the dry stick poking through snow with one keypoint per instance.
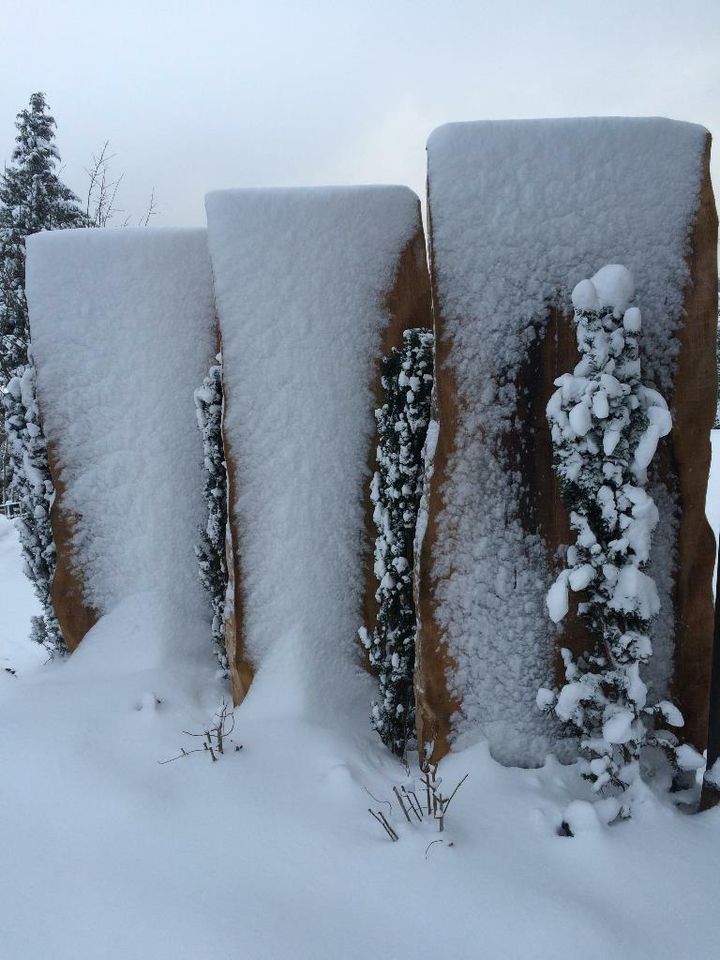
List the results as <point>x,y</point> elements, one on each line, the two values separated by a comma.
<point>436,799</point>
<point>413,803</point>
<point>381,819</point>
<point>402,805</point>
<point>437,804</point>
<point>214,737</point>
<point>444,803</point>
<point>605,429</point>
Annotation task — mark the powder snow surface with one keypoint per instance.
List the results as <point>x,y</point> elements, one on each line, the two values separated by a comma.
<point>300,281</point>
<point>18,604</point>
<point>123,330</point>
<point>521,212</point>
<point>270,853</point>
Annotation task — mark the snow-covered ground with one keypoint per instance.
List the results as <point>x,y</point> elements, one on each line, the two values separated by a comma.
<point>17,606</point>
<point>270,852</point>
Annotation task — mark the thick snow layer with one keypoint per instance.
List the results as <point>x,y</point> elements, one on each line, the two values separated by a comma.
<point>300,282</point>
<point>123,329</point>
<point>270,853</point>
<point>521,212</point>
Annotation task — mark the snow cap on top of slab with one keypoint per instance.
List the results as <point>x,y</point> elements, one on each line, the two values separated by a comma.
<point>521,212</point>
<point>301,281</point>
<point>123,328</point>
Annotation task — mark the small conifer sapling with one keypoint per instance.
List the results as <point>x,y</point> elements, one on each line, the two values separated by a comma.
<point>605,426</point>
<point>210,551</point>
<point>396,490</point>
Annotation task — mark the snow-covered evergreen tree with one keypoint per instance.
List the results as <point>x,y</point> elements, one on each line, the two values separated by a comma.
<point>396,489</point>
<point>32,198</point>
<point>210,551</point>
<point>605,429</point>
<point>32,488</point>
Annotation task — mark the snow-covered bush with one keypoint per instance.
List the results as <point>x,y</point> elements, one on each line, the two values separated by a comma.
<point>210,551</point>
<point>396,489</point>
<point>432,803</point>
<point>33,490</point>
<point>605,429</point>
<point>32,198</point>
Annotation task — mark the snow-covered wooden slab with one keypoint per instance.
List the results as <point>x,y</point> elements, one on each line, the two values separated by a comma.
<point>520,212</point>
<point>123,329</point>
<point>313,287</point>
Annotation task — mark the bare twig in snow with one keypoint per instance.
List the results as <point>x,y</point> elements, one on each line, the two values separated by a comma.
<point>380,817</point>
<point>214,738</point>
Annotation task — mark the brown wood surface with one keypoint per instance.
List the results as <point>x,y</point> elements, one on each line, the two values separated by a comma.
<point>693,407</point>
<point>683,465</point>
<point>74,613</point>
<point>435,704</point>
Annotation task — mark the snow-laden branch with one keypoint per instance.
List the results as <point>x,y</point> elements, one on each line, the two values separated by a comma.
<point>606,425</point>
<point>396,491</point>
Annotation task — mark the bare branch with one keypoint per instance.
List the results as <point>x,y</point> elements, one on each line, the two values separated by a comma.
<point>432,842</point>
<point>412,799</point>
<point>402,805</point>
<point>214,738</point>
<point>150,212</point>
<point>102,190</point>
<point>376,799</point>
<point>380,817</point>
<point>447,802</point>
<point>183,753</point>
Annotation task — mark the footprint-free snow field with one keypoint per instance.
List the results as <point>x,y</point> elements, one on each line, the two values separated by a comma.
<point>270,852</point>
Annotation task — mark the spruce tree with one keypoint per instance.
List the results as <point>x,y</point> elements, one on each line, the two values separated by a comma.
<point>605,429</point>
<point>32,198</point>
<point>396,489</point>
<point>210,551</point>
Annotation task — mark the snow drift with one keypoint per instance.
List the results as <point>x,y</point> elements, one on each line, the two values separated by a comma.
<point>313,287</point>
<point>122,331</point>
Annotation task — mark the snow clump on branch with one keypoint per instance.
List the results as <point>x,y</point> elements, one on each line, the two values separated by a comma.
<point>606,425</point>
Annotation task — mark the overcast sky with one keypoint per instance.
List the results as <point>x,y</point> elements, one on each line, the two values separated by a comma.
<point>217,93</point>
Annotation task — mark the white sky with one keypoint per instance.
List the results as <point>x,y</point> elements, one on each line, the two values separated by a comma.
<point>217,93</point>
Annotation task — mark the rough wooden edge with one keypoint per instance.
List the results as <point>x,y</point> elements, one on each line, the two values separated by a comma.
<point>696,383</point>
<point>74,614</point>
<point>435,704</point>
<point>241,668</point>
